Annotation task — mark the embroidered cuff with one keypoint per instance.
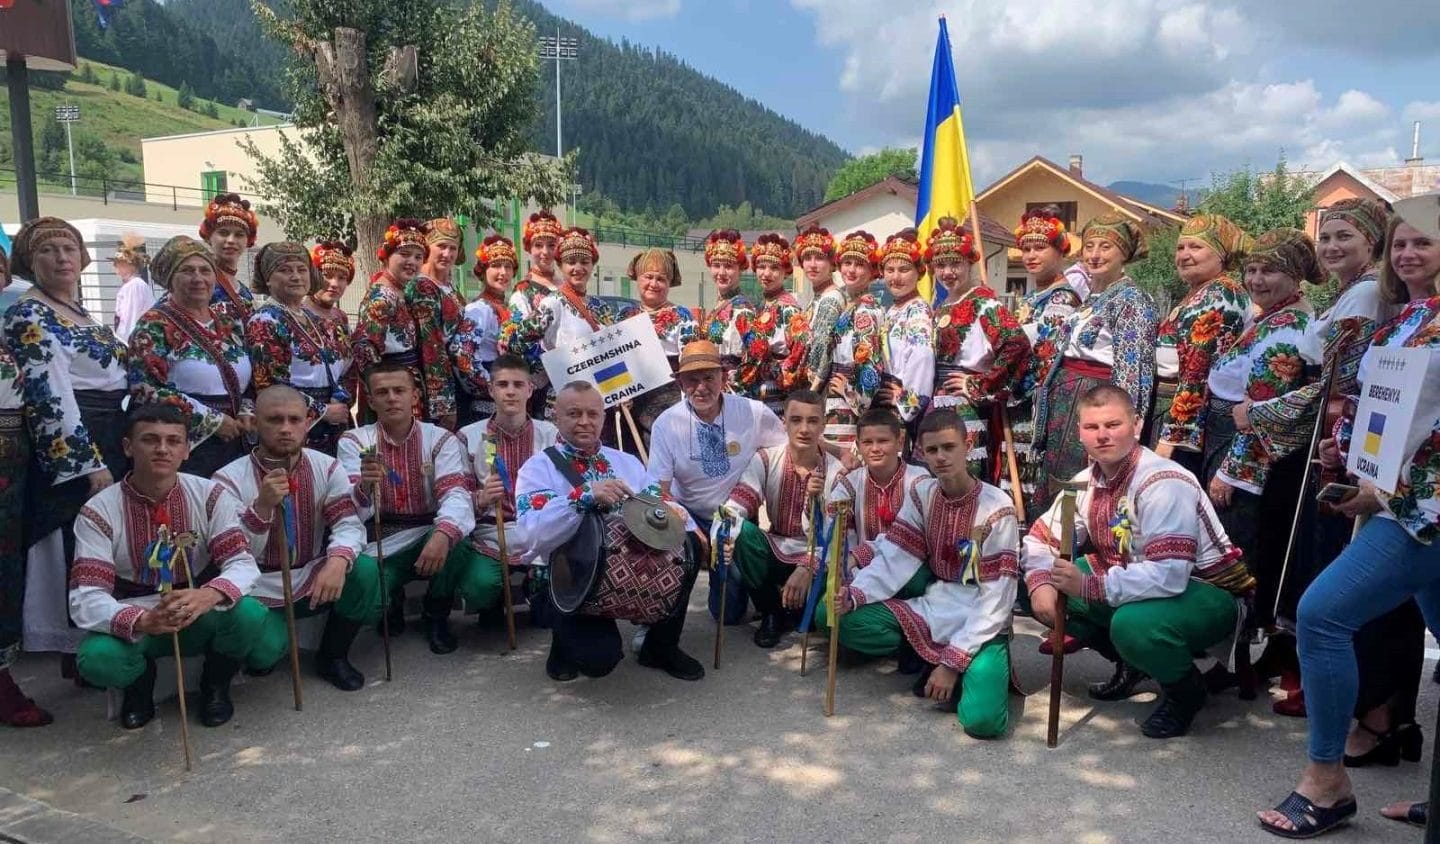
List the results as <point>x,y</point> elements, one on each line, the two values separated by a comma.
<point>582,499</point>
<point>231,592</point>
<point>345,553</point>
<point>1037,578</point>
<point>448,529</point>
<point>359,493</point>
<point>953,657</point>
<point>252,521</point>
<point>1092,588</point>
<point>122,624</point>
<point>854,595</point>
<point>864,555</point>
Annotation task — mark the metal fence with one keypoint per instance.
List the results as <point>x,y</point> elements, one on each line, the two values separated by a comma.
<point>118,189</point>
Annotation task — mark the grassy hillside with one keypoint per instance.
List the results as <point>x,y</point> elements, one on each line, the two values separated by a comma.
<point>112,123</point>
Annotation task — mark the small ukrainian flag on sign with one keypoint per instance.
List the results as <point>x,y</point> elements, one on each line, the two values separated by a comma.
<point>1373,432</point>
<point>613,377</point>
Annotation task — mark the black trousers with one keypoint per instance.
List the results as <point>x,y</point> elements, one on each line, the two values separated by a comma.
<point>593,646</point>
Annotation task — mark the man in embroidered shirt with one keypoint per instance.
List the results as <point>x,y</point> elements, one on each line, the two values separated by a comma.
<point>121,566</point>
<point>1158,588</point>
<point>322,528</point>
<point>967,533</point>
<point>787,480</point>
<point>425,507</point>
<point>550,511</point>
<point>700,447</point>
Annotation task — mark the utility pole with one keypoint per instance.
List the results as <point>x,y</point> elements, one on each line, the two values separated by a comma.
<point>560,49</point>
<point>65,115</point>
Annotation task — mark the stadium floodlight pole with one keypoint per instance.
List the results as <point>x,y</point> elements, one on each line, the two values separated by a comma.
<point>559,49</point>
<point>67,114</point>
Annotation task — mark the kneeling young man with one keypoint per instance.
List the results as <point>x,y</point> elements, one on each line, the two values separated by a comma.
<point>786,480</point>
<point>329,535</point>
<point>967,533</point>
<point>115,592</point>
<point>425,507</point>
<point>550,510</point>
<point>1157,589</point>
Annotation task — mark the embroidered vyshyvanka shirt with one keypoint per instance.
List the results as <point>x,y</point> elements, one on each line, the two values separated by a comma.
<point>1265,362</point>
<point>821,318</point>
<point>326,522</point>
<point>909,340</point>
<point>772,481</point>
<point>110,584</point>
<point>704,460</point>
<point>874,506</point>
<point>176,359</point>
<point>56,357</point>
<point>1152,526</point>
<point>722,328</point>
<point>978,336</point>
<point>1042,315</point>
<point>674,324</point>
<point>427,484</point>
<point>1197,332</point>
<point>292,346</point>
<point>773,339</point>
<point>513,449</point>
<point>971,543</point>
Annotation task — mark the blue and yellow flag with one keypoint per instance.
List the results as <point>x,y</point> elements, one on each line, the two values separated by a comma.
<point>945,186</point>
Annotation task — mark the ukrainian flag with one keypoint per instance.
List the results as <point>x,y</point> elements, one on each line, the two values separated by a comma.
<point>613,377</point>
<point>1374,429</point>
<point>945,186</point>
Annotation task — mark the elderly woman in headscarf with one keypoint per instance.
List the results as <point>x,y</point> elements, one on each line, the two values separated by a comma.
<point>654,272</point>
<point>74,384</point>
<point>1198,330</point>
<point>1110,339</point>
<point>16,709</point>
<point>1352,234</point>
<point>190,353</point>
<point>289,345</point>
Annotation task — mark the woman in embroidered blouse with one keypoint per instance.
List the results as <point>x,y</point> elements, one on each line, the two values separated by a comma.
<point>1198,331</point>
<point>1245,483</point>
<point>726,259</point>
<point>539,240</point>
<point>564,316</point>
<point>856,360</point>
<point>909,337</point>
<point>74,385</point>
<point>16,709</point>
<point>229,228</point>
<point>774,337</point>
<point>289,345</point>
<point>189,353</point>
<point>478,345</point>
<point>1393,559</point>
<point>1109,340</point>
<point>654,272</point>
<point>980,349</point>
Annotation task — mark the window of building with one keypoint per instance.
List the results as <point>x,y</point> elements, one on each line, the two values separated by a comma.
<point>212,182</point>
<point>1068,210</point>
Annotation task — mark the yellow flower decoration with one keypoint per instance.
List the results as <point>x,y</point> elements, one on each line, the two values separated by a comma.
<point>31,335</point>
<point>59,448</point>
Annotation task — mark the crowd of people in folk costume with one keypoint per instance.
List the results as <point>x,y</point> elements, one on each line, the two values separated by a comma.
<point>1084,456</point>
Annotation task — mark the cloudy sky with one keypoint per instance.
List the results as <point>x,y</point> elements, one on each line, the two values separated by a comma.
<point>1157,90</point>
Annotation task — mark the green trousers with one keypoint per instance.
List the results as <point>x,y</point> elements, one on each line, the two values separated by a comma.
<point>359,602</point>
<point>466,572</point>
<point>762,572</point>
<point>984,705</point>
<point>1160,636</point>
<point>114,663</point>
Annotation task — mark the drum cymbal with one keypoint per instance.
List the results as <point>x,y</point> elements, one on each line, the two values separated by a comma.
<point>652,522</point>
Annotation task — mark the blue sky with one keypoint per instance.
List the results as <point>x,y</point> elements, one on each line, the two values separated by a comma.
<point>1156,90</point>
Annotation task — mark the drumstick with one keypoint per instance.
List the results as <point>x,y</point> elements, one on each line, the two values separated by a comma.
<point>1057,633</point>
<point>836,538</point>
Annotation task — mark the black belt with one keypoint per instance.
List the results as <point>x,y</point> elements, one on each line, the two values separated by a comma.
<point>407,358</point>
<point>393,523</point>
<point>100,401</point>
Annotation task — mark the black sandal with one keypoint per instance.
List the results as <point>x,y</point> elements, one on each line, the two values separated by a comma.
<point>1416,815</point>
<point>1308,819</point>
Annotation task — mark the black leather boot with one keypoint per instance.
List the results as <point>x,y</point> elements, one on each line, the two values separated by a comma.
<point>215,705</point>
<point>137,707</point>
<point>674,662</point>
<point>771,629</point>
<point>1121,684</point>
<point>332,661</point>
<point>395,613</point>
<point>437,625</point>
<point>1183,700</point>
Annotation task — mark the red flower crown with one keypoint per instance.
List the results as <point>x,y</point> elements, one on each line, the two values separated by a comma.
<point>541,224</point>
<point>814,239</point>
<point>229,208</point>
<point>903,244</point>
<point>1038,227</point>
<point>859,244</point>
<point>332,254</point>
<point>496,248</point>
<point>772,247</point>
<point>406,231</point>
<point>948,240</point>
<point>726,246</point>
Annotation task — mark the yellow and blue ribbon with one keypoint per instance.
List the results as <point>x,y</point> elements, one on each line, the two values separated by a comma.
<point>1122,529</point>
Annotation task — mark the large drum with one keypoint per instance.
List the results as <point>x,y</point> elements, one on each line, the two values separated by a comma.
<point>631,565</point>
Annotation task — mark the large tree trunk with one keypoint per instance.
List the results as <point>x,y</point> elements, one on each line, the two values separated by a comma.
<point>344,76</point>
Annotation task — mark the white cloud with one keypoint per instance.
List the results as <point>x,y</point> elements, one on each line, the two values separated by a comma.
<point>632,10</point>
<point>1155,89</point>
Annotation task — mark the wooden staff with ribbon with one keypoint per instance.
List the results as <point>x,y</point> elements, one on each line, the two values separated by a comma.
<point>719,567</point>
<point>378,499</point>
<point>812,504</point>
<point>164,555</point>
<point>287,567</point>
<point>839,538</point>
<point>1057,633</point>
<point>497,465</point>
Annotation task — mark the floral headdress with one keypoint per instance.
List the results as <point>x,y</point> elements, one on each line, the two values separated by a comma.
<point>951,241</point>
<point>726,245</point>
<point>772,247</point>
<point>577,241</point>
<point>333,255</point>
<point>1037,226</point>
<point>406,231</point>
<point>541,224</point>
<point>229,208</point>
<point>814,239</point>
<point>496,249</point>
<point>859,244</point>
<point>903,244</point>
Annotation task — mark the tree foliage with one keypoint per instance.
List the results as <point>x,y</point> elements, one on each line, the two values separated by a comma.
<point>440,147</point>
<point>860,173</point>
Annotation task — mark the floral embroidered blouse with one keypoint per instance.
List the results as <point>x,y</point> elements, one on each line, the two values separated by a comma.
<point>177,360</point>
<point>56,357</point>
<point>529,292</point>
<point>1042,314</point>
<point>437,311</point>
<point>232,297</point>
<point>859,351</point>
<point>674,324</point>
<point>774,347</point>
<point>909,340</point>
<point>821,316</point>
<point>1415,505</point>
<point>12,385</point>
<point>1264,362</point>
<point>390,324</point>
<point>1199,330</point>
<point>292,346</point>
<point>720,329</point>
<point>558,319</point>
<point>1114,328</point>
<point>476,344</point>
<point>978,336</point>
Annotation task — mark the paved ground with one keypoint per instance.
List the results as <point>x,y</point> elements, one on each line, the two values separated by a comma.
<point>481,746</point>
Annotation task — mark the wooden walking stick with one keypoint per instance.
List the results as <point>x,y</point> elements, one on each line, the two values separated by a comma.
<point>1012,463</point>
<point>178,557</point>
<point>634,432</point>
<point>378,500</point>
<point>809,554</point>
<point>497,465</point>
<point>833,590</point>
<point>287,565</point>
<point>1057,633</point>
<point>719,568</point>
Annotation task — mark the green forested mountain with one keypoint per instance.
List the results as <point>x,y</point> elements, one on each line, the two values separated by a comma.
<point>652,132</point>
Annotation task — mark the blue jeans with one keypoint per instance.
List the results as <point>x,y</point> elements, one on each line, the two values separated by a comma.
<point>1376,573</point>
<point>737,598</point>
